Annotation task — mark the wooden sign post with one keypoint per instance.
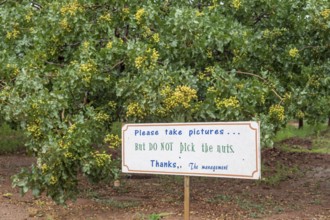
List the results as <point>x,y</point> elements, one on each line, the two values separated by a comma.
<point>186,198</point>
<point>213,149</point>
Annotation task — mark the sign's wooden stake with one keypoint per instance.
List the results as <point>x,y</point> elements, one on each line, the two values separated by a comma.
<point>186,197</point>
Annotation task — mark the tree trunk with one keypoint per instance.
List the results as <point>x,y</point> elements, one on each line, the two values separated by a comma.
<point>329,121</point>
<point>301,123</point>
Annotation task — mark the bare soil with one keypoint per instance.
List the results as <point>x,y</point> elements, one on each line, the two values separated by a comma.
<point>293,186</point>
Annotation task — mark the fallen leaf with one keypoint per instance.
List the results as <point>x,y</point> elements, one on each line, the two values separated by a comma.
<point>7,195</point>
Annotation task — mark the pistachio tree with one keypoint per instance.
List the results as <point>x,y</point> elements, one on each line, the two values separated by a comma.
<point>72,69</point>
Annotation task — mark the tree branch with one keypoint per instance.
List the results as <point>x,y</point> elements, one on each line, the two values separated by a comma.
<point>117,64</point>
<point>86,98</point>
<point>63,114</point>
<point>261,78</point>
<point>260,17</point>
<point>2,84</point>
<point>251,74</point>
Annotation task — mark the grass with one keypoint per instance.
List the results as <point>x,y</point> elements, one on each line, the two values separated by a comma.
<point>90,194</point>
<point>11,140</point>
<point>321,144</point>
<point>280,174</point>
<point>319,135</point>
<point>220,198</point>
<point>292,131</point>
<point>254,209</point>
<point>154,216</point>
<point>116,203</point>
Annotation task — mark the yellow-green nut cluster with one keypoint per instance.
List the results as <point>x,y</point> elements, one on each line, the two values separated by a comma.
<point>64,24</point>
<point>154,55</point>
<point>211,89</point>
<point>210,69</point>
<point>68,155</point>
<point>314,81</point>
<point>64,145</point>
<point>239,86</point>
<point>101,159</point>
<point>105,17</point>
<point>155,37</point>
<point>3,96</point>
<point>135,110</point>
<point>206,74</point>
<point>102,117</point>
<point>146,31</point>
<point>325,13</point>
<point>139,61</point>
<point>276,32</point>
<point>262,99</point>
<point>44,168</point>
<point>161,112</point>
<point>53,180</point>
<point>139,15</point>
<point>34,130</point>
<point>166,91</point>
<point>266,33</point>
<point>71,8</point>
<point>112,105</point>
<point>236,4</point>
<point>181,96</point>
<point>85,45</point>
<point>293,52</point>
<point>211,7</point>
<point>198,13</point>
<point>151,55</point>
<point>113,140</point>
<point>87,67</point>
<point>287,97</point>
<point>125,10</point>
<point>209,53</point>
<point>86,70</point>
<point>13,68</point>
<point>277,112</point>
<point>72,128</point>
<point>300,114</point>
<point>201,75</point>
<point>109,45</point>
<point>28,16</point>
<point>231,102</point>
<point>238,55</point>
<point>12,34</point>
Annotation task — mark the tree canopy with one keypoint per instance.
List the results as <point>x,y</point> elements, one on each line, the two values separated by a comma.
<point>71,69</point>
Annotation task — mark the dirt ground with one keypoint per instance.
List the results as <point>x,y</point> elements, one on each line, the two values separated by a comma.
<point>293,186</point>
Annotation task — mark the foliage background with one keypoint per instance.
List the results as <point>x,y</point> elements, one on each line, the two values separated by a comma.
<point>72,69</point>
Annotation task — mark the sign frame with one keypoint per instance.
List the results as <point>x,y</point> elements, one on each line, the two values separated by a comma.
<point>250,126</point>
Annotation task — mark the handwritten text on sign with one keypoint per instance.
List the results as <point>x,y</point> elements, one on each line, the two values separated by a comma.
<point>220,149</point>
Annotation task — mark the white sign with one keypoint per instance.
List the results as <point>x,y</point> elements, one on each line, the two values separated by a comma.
<point>216,149</point>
